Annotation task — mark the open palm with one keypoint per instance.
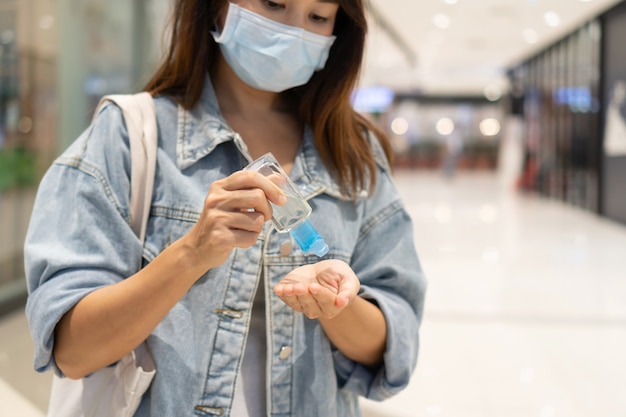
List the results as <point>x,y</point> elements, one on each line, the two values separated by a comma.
<point>323,289</point>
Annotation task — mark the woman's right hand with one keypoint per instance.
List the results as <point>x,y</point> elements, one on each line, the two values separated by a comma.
<point>233,215</point>
<point>111,321</point>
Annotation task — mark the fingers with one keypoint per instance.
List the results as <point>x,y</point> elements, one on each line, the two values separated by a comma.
<point>248,202</point>
<point>235,210</point>
<point>323,289</point>
<point>313,300</point>
<point>245,192</point>
<point>241,201</point>
<point>251,180</point>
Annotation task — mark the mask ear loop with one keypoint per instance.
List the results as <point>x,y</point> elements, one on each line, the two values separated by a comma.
<point>216,26</point>
<point>221,17</point>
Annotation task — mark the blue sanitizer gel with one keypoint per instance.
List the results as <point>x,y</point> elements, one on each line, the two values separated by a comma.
<point>309,240</point>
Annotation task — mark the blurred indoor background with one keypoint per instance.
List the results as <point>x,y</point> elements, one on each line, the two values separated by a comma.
<point>508,122</point>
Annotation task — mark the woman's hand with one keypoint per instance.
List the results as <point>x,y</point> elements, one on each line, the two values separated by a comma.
<point>321,290</point>
<point>233,215</point>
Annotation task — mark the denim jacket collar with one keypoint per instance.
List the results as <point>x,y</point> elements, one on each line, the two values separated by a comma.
<point>202,129</point>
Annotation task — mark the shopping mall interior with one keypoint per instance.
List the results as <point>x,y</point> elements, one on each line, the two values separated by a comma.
<point>508,126</point>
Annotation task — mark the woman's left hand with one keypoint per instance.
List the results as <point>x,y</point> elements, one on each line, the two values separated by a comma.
<point>319,290</point>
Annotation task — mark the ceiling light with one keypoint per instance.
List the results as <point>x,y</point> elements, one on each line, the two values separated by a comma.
<point>530,35</point>
<point>450,1</point>
<point>493,92</point>
<point>489,127</point>
<point>441,20</point>
<point>445,126</point>
<point>399,126</point>
<point>552,19</point>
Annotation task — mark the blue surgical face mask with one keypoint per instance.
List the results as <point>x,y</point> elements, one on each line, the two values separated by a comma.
<point>269,55</point>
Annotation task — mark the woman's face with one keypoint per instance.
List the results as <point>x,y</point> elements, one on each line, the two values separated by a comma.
<point>317,16</point>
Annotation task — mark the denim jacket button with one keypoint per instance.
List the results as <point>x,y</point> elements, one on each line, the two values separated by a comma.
<point>286,248</point>
<point>285,351</point>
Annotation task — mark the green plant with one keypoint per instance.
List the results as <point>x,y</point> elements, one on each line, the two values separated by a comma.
<point>17,168</point>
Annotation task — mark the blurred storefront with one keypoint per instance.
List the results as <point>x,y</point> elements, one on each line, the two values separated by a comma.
<point>572,98</point>
<point>560,102</point>
<point>57,58</point>
<point>446,133</point>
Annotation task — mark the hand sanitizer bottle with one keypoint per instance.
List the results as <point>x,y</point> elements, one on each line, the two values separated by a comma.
<point>293,216</point>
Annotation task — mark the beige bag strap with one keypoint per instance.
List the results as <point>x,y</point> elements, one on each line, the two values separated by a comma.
<point>140,116</point>
<point>117,391</point>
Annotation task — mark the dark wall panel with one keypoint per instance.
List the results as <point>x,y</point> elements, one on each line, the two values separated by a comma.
<point>613,195</point>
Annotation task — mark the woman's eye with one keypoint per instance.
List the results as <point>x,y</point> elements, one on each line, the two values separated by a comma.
<point>273,5</point>
<point>318,19</point>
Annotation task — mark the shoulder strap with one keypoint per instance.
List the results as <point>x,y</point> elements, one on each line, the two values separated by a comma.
<point>140,117</point>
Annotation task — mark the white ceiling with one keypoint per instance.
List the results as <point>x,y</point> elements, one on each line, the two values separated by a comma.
<point>483,39</point>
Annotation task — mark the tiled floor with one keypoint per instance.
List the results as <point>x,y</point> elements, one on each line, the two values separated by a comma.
<point>23,392</point>
<point>525,313</point>
<point>526,307</point>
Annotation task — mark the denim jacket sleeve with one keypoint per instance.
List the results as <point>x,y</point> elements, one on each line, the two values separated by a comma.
<point>64,259</point>
<point>391,277</point>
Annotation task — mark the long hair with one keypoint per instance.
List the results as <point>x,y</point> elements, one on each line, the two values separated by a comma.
<point>324,102</point>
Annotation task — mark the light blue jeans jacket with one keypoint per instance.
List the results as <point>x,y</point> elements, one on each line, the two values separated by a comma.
<point>80,240</point>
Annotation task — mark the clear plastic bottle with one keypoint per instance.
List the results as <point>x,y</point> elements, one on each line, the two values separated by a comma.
<point>293,216</point>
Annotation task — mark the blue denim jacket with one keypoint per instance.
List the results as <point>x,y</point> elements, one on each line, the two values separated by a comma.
<point>80,239</point>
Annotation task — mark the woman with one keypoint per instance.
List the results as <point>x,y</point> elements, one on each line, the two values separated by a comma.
<point>239,320</point>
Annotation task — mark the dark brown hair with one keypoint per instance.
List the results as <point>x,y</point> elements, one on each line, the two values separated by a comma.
<point>324,102</point>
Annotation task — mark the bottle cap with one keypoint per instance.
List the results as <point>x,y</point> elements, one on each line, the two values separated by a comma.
<point>309,240</point>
